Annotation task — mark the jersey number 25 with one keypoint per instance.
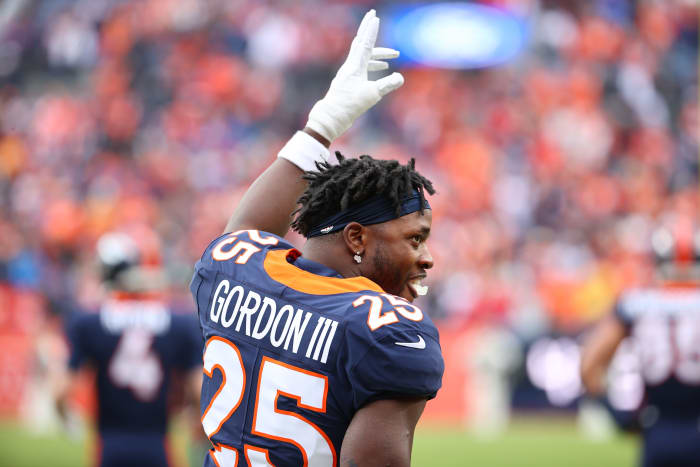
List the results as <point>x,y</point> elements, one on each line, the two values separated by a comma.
<point>275,379</point>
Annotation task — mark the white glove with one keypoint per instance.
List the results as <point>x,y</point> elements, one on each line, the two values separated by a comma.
<point>351,94</point>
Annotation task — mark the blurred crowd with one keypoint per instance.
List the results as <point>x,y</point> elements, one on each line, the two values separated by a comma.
<point>154,116</point>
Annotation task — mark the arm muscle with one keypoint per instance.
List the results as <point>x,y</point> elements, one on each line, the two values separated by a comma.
<point>271,199</point>
<point>381,433</point>
<point>597,352</point>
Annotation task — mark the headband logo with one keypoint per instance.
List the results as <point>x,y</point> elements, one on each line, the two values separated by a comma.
<point>327,229</point>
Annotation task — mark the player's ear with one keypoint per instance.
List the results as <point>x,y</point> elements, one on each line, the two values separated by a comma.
<point>355,237</point>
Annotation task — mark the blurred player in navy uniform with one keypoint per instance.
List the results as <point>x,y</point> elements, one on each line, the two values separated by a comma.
<point>137,347</point>
<point>318,357</point>
<point>664,324</point>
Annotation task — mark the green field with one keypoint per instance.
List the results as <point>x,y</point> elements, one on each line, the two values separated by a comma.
<point>536,442</point>
<point>529,442</point>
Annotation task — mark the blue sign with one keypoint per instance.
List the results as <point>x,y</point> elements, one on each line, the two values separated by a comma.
<point>454,35</point>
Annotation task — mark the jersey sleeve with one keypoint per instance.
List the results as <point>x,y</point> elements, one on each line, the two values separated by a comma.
<point>397,360</point>
<point>226,244</point>
<point>234,249</point>
<point>238,255</point>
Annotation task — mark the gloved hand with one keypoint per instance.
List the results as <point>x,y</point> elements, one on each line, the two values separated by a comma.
<point>351,94</point>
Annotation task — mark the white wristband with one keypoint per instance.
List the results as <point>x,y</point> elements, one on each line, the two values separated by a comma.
<point>303,150</point>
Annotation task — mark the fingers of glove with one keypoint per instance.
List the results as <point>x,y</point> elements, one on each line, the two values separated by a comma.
<point>365,23</point>
<point>383,53</point>
<point>377,65</point>
<point>389,83</point>
<point>357,48</point>
<point>367,41</point>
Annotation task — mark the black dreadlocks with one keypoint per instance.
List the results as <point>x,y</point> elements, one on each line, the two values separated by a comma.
<point>334,188</point>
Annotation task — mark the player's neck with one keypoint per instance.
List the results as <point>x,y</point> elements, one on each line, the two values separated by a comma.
<point>330,255</point>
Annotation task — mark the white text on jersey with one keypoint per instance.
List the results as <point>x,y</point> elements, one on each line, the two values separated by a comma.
<point>118,315</point>
<point>262,318</point>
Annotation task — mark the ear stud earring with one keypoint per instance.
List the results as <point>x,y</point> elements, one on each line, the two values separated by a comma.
<point>357,257</point>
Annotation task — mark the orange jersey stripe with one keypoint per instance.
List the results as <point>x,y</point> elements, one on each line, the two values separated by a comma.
<point>280,270</point>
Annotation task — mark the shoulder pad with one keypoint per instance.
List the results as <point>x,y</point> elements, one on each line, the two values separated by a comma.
<point>393,349</point>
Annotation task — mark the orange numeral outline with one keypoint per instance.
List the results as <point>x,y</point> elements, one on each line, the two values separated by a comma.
<point>322,409</point>
<point>400,304</point>
<point>247,448</point>
<point>210,374</point>
<point>243,249</point>
<point>257,238</point>
<point>375,318</point>
<point>223,449</point>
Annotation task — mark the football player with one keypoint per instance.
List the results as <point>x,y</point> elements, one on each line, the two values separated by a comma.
<point>663,322</point>
<point>318,357</point>
<point>138,348</point>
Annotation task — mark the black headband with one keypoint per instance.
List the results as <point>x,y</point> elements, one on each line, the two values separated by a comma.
<point>375,210</point>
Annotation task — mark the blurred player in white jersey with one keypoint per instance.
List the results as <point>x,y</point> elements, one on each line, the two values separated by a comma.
<point>663,323</point>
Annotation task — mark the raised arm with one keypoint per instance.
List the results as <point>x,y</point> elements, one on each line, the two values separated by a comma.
<point>270,200</point>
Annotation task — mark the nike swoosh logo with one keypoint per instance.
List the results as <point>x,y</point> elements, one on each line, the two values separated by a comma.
<point>414,345</point>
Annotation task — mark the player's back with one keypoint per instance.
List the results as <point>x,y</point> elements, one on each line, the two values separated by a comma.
<point>293,351</point>
<point>665,328</point>
<point>134,345</point>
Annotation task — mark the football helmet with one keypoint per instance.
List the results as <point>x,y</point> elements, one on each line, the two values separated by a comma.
<point>130,262</point>
<point>676,249</point>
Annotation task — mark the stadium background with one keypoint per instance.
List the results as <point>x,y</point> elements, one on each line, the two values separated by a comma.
<point>552,162</point>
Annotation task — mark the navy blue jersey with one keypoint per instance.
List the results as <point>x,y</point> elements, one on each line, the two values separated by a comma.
<point>135,347</point>
<point>293,350</point>
<point>664,324</point>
